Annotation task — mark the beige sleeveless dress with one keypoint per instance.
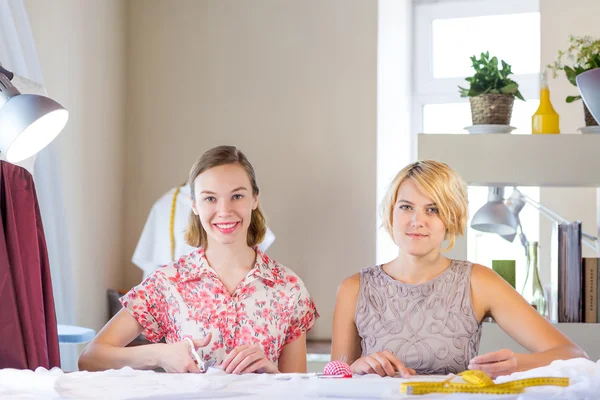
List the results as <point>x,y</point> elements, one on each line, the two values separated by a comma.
<point>431,327</point>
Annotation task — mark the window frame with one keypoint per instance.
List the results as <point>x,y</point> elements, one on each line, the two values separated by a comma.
<point>430,90</point>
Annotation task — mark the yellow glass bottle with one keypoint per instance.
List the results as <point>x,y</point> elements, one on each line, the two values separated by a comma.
<point>545,120</point>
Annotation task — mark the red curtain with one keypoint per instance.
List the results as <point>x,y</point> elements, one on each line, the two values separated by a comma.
<point>28,331</point>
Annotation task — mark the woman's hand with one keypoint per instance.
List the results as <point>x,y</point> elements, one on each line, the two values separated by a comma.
<point>384,363</point>
<point>177,357</point>
<point>498,363</point>
<point>246,359</point>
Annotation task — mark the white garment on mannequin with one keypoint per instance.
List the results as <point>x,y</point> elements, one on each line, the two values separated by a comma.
<point>154,246</point>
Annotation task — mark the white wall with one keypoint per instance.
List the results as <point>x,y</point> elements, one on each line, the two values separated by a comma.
<point>81,48</point>
<point>396,144</point>
<point>559,19</point>
<point>292,84</point>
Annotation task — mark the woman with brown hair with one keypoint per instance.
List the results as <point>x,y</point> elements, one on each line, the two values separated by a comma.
<point>240,309</point>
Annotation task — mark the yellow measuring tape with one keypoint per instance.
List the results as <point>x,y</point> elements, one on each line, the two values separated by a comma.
<point>478,382</point>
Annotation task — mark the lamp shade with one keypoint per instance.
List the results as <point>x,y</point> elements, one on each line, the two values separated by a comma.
<point>588,83</point>
<point>495,216</point>
<point>28,122</point>
<point>510,237</point>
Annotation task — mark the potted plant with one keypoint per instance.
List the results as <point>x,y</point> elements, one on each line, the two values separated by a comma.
<point>584,54</point>
<point>491,92</point>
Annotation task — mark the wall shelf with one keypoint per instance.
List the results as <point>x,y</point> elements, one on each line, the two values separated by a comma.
<point>565,160</point>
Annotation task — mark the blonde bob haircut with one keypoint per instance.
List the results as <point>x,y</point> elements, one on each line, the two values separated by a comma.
<point>195,234</point>
<point>445,187</point>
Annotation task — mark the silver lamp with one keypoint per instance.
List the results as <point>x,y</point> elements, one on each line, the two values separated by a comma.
<point>28,122</point>
<point>491,216</point>
<point>495,216</point>
<point>588,83</point>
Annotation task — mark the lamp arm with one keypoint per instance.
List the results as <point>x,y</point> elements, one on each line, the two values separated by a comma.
<point>591,243</point>
<point>6,72</point>
<point>545,210</point>
<point>587,239</point>
<point>523,238</point>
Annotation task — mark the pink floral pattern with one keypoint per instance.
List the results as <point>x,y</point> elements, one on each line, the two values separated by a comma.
<point>271,307</point>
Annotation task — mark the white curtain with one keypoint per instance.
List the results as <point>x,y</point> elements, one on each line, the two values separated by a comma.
<point>18,54</point>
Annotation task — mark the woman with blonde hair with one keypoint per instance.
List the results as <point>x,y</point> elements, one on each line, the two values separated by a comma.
<point>422,312</point>
<point>226,302</point>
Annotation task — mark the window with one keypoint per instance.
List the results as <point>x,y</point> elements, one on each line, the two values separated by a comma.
<point>489,32</point>
<point>446,34</point>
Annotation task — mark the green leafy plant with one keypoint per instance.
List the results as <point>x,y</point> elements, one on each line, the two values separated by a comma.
<point>489,78</point>
<point>584,54</point>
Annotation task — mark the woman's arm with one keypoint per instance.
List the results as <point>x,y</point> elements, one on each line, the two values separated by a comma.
<point>346,342</point>
<point>293,356</point>
<point>107,350</point>
<point>493,296</point>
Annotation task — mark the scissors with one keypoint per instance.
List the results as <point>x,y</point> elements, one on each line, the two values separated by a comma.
<point>203,366</point>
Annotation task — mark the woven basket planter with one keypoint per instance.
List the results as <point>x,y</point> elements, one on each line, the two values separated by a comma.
<point>492,108</point>
<point>589,118</point>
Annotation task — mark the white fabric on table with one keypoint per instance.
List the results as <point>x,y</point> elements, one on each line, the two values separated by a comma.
<point>130,384</point>
<point>584,378</point>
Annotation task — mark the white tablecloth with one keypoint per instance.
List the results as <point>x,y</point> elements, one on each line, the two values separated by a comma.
<point>127,383</point>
